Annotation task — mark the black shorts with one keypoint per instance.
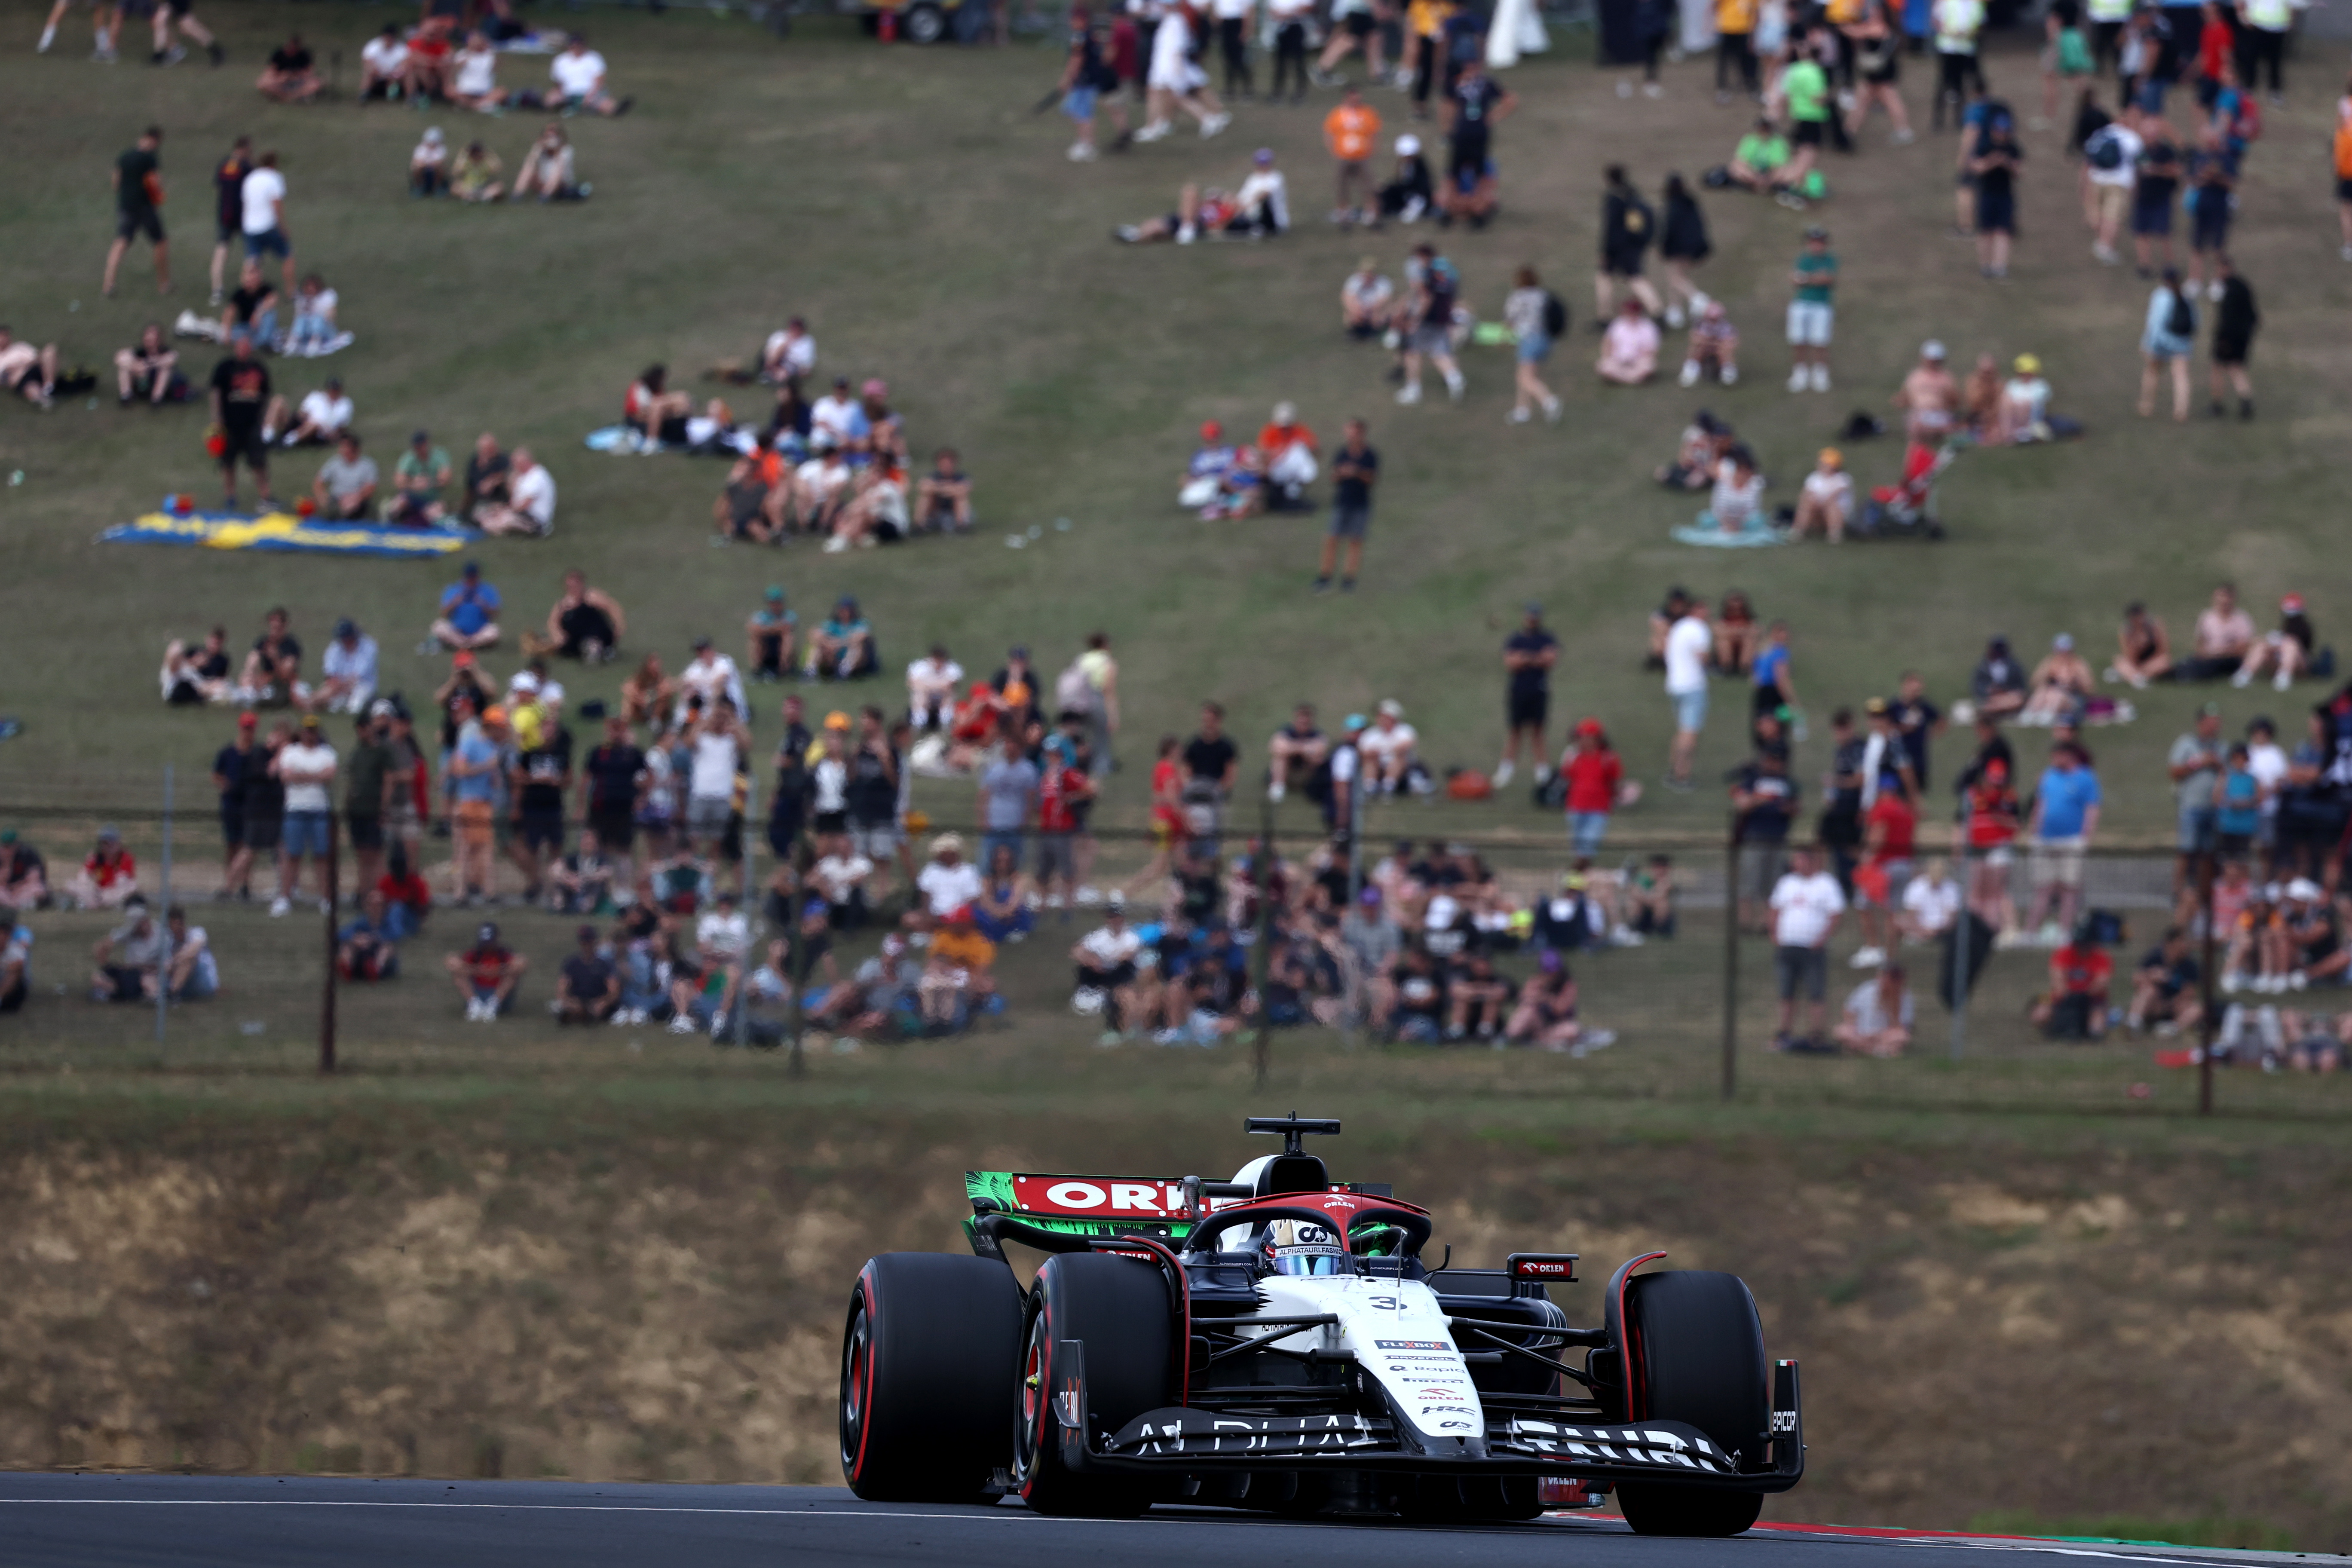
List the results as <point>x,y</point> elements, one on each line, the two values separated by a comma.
<point>147,221</point>
<point>832,822</point>
<point>1358,24</point>
<point>615,831</point>
<point>1350,521</point>
<point>1996,214</point>
<point>1623,263</point>
<point>179,7</point>
<point>264,832</point>
<point>2343,190</point>
<point>2211,225</point>
<point>232,825</point>
<point>2232,351</point>
<point>1527,709</point>
<point>125,983</point>
<point>366,830</point>
<point>1801,969</point>
<point>541,829</point>
<point>227,227</point>
<point>246,445</point>
<point>2153,219</point>
<point>1807,132</point>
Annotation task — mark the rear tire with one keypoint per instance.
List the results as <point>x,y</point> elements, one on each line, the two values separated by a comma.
<point>930,1356</point>
<point>1118,1309</point>
<point>1699,1350</point>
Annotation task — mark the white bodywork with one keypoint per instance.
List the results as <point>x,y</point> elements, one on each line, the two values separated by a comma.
<point>1398,1334</point>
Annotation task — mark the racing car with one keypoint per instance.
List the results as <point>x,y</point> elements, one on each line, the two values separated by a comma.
<point>1281,1341</point>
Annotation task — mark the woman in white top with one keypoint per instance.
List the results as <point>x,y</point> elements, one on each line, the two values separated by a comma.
<point>1739,491</point>
<point>1528,312</point>
<point>475,82</point>
<point>1175,79</point>
<point>1827,501</point>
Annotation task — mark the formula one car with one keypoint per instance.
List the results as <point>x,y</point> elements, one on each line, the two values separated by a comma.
<point>1280,1341</point>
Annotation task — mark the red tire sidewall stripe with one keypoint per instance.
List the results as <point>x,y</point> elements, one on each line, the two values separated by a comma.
<point>865,1410</point>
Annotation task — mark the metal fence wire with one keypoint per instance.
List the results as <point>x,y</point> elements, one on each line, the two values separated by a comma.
<point>2158,981</point>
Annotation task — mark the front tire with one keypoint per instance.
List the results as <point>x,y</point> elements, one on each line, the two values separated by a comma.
<point>929,1355</point>
<point>1698,1354</point>
<point>1118,1309</point>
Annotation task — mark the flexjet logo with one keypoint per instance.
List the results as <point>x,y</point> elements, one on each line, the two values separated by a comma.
<point>1410,1345</point>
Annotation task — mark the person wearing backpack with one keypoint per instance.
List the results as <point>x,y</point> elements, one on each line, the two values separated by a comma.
<point>1627,227</point>
<point>1682,245</point>
<point>2168,340</point>
<point>2109,156</point>
<point>2156,192</point>
<point>1536,318</point>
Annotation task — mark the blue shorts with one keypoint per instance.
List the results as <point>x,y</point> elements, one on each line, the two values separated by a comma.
<point>307,833</point>
<point>1585,830</point>
<point>2196,828</point>
<point>1534,349</point>
<point>269,242</point>
<point>1690,710</point>
<point>1078,103</point>
<point>2153,219</point>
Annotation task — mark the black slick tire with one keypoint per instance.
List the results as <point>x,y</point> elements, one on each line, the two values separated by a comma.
<point>1697,1348</point>
<point>1119,1308</point>
<point>928,1361</point>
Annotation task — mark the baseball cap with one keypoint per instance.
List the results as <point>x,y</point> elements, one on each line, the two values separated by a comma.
<point>2064,642</point>
<point>700,644</point>
<point>587,934</point>
<point>1211,430</point>
<point>1831,458</point>
<point>775,594</point>
<point>108,833</point>
<point>310,721</point>
<point>1262,157</point>
<point>1352,722</point>
<point>1407,145</point>
<point>473,569</point>
<point>487,931</point>
<point>1816,232</point>
<point>420,437</point>
<point>462,659</point>
<point>494,714</point>
<point>381,707</point>
<point>1875,706</point>
<point>1369,897</point>
<point>876,388</point>
<point>1117,902</point>
<point>2303,890</point>
<point>1588,726</point>
<point>1932,349</point>
<point>836,720</point>
<point>2291,604</point>
<point>1392,709</point>
<point>248,721</point>
<point>2028,364</point>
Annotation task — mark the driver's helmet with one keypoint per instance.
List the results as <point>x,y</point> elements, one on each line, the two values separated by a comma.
<point>1303,1246</point>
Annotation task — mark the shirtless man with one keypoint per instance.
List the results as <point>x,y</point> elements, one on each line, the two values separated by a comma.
<point>1929,398</point>
<point>20,361</point>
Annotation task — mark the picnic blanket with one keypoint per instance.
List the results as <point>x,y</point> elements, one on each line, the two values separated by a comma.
<point>282,531</point>
<point>705,439</point>
<point>1758,531</point>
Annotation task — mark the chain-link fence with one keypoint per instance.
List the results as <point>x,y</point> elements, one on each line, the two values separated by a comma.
<point>2127,981</point>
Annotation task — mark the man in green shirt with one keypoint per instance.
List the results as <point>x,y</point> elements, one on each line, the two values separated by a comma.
<point>1758,160</point>
<point>1807,88</point>
<point>364,773</point>
<point>418,479</point>
<point>1810,313</point>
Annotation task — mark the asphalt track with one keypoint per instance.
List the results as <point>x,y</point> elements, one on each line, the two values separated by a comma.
<point>61,1520</point>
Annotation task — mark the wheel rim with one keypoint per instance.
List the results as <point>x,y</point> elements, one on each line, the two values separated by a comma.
<point>857,1381</point>
<point>1035,1407</point>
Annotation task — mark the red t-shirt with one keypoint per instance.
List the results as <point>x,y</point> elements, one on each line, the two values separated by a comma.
<point>409,889</point>
<point>103,875</point>
<point>1592,779</point>
<point>1992,816</point>
<point>1055,800</point>
<point>2214,44</point>
<point>486,967</point>
<point>2081,971</point>
<point>1893,813</point>
<point>1165,777</point>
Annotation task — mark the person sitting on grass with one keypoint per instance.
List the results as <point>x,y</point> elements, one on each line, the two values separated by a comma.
<point>579,76</point>
<point>2022,415</point>
<point>428,165</point>
<point>469,613</point>
<point>149,369</point>
<point>583,623</point>
<point>1705,442</point>
<point>314,332</point>
<point>366,948</point>
<point>490,477</point>
<point>1826,504</point>
<point>1878,1015</point>
<point>475,175</point>
<point>588,988</point>
<point>474,75</point>
<point>197,673</point>
<point>549,171</point>
<point>486,975</point>
<point>654,411</point>
<point>1713,353</point>
<point>1545,1015</point>
<point>1258,210</point>
<point>1628,349</point>
<point>1758,161</point>
<point>843,648</point>
<point>193,972</point>
<point>2164,987</point>
<point>2062,683</point>
<point>943,496</point>
<point>1733,505</point>
<point>419,476</point>
<point>1409,190</point>
<point>529,509</point>
<point>319,420</point>
<point>28,370</point>
<point>109,877</point>
<point>291,74</point>
<point>345,487</point>
<point>2283,654</point>
<point>1997,684</point>
<point>128,958</point>
<point>2075,1006</point>
<point>1367,300</point>
<point>383,65</point>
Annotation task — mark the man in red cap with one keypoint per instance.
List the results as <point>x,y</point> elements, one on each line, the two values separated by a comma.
<point>1206,472</point>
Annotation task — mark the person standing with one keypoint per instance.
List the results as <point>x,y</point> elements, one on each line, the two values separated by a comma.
<point>1289,19</point>
<point>2195,766</point>
<point>1807,904</point>
<point>2110,167</point>
<point>2165,342</point>
<point>1355,470</point>
<point>171,14</point>
<point>1958,23</point>
<point>232,774</point>
<point>1089,82</point>
<point>1529,655</point>
<point>1475,104</point>
<point>1734,46</point>
<point>1233,45</point>
<point>1682,243</point>
<point>1813,315</point>
<point>2156,190</point>
<point>1428,323</point>
<point>1531,314</point>
<point>2234,321</point>
<point>1351,130</point>
<point>228,208</point>
<point>1994,170</point>
<point>1805,88</point>
<point>262,198</point>
<point>370,789</point>
<point>306,767</point>
<point>2261,33</point>
<point>1689,640</point>
<point>138,208</point>
<point>240,395</point>
<point>2065,816</point>
<point>1627,227</point>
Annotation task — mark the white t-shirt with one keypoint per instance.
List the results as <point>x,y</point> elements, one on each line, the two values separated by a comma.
<point>800,356</point>
<point>726,935</point>
<point>1837,487</point>
<point>1369,293</point>
<point>1933,904</point>
<point>949,888</point>
<point>1266,185</point>
<point>534,496</point>
<point>831,778</point>
<point>297,758</point>
<point>1866,1010</point>
<point>2124,172</point>
<point>1233,10</point>
<point>1110,948</point>
<point>1293,10</point>
<point>262,192</point>
<point>577,75</point>
<point>385,56</point>
<point>838,876</point>
<point>713,776</point>
<point>478,71</point>
<point>1170,43</point>
<point>835,414</point>
<point>2268,764</point>
<point>1381,745</point>
<point>329,413</point>
<point>1958,22</point>
<point>1803,907</point>
<point>929,677</point>
<point>713,680</point>
<point>1343,765</point>
<point>1688,642</point>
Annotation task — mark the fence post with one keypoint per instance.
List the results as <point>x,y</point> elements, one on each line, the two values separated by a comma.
<point>1731,964</point>
<point>327,1004</point>
<point>164,893</point>
<point>795,955</point>
<point>2205,987</point>
<point>747,840</point>
<point>1266,861</point>
<point>1964,938</point>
